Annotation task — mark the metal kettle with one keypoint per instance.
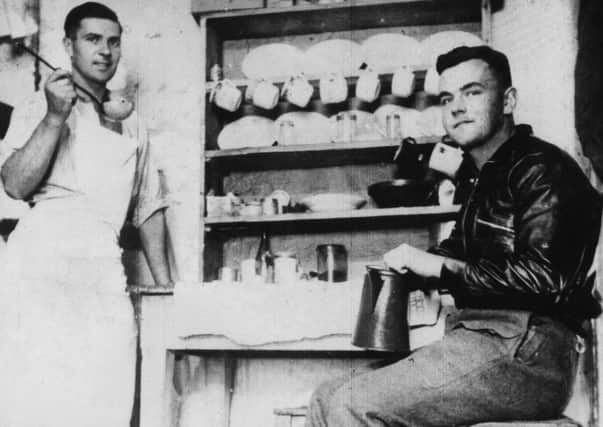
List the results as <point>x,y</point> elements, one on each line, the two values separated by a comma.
<point>382,322</point>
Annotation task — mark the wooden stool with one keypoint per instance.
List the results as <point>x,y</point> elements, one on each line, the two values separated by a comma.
<point>295,417</point>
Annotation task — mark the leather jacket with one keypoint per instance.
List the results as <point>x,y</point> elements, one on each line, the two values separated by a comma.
<point>527,233</point>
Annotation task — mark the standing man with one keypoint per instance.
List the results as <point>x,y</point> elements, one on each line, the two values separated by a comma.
<point>67,330</point>
<point>516,264</point>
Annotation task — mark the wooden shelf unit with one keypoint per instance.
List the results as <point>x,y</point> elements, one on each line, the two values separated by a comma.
<point>300,170</point>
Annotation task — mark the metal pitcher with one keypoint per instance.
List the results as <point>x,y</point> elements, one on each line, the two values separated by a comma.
<point>382,322</point>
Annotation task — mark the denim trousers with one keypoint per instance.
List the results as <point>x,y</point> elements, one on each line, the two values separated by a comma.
<point>469,376</point>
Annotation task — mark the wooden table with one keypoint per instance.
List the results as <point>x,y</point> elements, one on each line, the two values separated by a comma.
<point>161,381</point>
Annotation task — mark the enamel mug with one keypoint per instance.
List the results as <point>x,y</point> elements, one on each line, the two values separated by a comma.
<point>368,86</point>
<point>298,91</point>
<point>432,81</point>
<point>403,82</point>
<point>226,95</point>
<point>333,89</point>
<point>446,159</point>
<point>285,268</point>
<point>265,95</point>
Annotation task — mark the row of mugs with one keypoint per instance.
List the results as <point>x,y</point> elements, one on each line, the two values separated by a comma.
<point>298,91</point>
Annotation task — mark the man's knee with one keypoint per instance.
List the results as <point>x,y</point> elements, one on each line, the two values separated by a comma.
<point>345,408</point>
<point>320,401</point>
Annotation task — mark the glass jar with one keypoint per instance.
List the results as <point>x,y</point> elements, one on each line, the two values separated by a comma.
<point>332,263</point>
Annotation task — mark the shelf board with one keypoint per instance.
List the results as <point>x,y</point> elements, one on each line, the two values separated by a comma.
<point>311,155</point>
<point>385,76</point>
<point>434,213</point>
<point>350,15</point>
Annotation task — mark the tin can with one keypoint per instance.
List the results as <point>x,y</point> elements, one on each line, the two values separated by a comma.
<point>215,73</point>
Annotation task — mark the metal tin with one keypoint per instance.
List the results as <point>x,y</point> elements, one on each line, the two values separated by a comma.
<point>215,73</point>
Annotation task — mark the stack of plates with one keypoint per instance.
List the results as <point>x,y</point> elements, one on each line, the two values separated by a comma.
<point>273,60</point>
<point>308,128</point>
<point>444,41</point>
<point>248,131</point>
<point>333,56</point>
<point>386,52</point>
<point>430,122</point>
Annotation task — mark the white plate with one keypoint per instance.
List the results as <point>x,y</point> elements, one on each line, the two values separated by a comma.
<point>386,52</point>
<point>248,131</point>
<point>308,128</point>
<point>430,121</point>
<point>444,41</point>
<point>274,60</point>
<point>333,56</point>
<point>367,127</point>
<point>327,202</point>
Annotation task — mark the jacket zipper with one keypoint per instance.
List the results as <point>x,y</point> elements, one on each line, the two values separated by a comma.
<point>469,199</point>
<point>497,226</point>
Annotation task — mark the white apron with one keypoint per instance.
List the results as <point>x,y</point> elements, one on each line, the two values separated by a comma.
<point>67,330</point>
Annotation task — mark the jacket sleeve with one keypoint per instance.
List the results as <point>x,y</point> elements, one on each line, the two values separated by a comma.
<point>452,246</point>
<point>553,215</point>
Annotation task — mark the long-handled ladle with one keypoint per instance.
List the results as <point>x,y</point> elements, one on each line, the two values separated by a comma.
<point>115,109</point>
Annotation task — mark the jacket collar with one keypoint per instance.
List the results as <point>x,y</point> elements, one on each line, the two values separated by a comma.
<point>522,132</point>
<point>519,137</point>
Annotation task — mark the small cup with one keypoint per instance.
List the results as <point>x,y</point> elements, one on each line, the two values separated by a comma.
<point>445,159</point>
<point>333,89</point>
<point>248,270</point>
<point>403,82</point>
<point>265,95</point>
<point>346,123</point>
<point>253,208</point>
<point>446,191</point>
<point>285,268</point>
<point>227,274</point>
<point>298,91</point>
<point>218,206</point>
<point>286,132</point>
<point>432,82</point>
<point>368,86</point>
<point>393,125</point>
<point>226,95</point>
<point>270,206</point>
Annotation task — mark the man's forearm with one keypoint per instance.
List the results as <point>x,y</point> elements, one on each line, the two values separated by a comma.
<point>153,239</point>
<point>25,168</point>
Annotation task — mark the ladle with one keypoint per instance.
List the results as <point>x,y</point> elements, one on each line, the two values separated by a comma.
<point>120,109</point>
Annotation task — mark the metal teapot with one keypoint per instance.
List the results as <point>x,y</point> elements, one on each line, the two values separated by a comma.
<point>382,322</point>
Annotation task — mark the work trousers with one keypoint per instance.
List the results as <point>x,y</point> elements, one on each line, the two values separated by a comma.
<point>469,376</point>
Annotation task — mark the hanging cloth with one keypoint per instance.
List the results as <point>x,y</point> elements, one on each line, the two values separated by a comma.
<point>589,82</point>
<point>5,114</point>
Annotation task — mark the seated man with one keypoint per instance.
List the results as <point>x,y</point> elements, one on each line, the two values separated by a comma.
<point>516,264</point>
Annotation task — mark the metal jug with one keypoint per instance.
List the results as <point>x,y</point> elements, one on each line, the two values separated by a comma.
<point>382,322</point>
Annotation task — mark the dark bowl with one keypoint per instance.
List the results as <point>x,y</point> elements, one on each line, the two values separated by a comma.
<point>404,192</point>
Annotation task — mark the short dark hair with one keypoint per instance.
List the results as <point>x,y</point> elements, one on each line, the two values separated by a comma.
<point>87,10</point>
<point>497,61</point>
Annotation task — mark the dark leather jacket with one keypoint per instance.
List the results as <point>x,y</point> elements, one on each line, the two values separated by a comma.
<point>526,234</point>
